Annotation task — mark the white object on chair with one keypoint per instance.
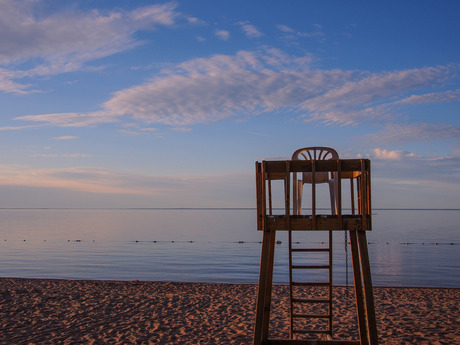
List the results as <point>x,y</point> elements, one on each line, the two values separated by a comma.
<point>314,153</point>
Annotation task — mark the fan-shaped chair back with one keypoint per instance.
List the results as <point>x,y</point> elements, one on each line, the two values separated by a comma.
<point>317,154</point>
<point>314,153</point>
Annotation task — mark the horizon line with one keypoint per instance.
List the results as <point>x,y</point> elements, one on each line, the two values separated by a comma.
<point>212,208</point>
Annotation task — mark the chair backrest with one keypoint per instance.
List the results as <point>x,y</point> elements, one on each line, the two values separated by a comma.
<point>317,154</point>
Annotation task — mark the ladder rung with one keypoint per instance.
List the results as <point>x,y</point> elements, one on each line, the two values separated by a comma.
<point>310,250</point>
<point>304,331</point>
<point>311,316</point>
<point>317,300</point>
<point>310,266</point>
<point>310,284</point>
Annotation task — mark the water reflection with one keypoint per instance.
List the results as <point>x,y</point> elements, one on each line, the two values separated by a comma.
<point>212,245</point>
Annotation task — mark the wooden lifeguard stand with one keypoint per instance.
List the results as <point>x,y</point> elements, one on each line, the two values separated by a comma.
<point>319,165</point>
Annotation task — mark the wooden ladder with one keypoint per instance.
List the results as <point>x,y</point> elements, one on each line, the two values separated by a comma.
<point>310,316</point>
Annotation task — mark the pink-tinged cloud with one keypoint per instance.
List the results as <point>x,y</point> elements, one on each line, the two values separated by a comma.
<point>249,30</point>
<point>417,132</point>
<point>66,137</point>
<point>392,155</point>
<point>63,42</point>
<point>206,90</point>
<point>224,35</point>
<point>191,188</point>
<point>434,97</point>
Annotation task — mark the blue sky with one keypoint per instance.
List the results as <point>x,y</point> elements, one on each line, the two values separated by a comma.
<point>169,104</point>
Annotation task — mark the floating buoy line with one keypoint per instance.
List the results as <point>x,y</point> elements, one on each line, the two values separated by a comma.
<point>244,242</point>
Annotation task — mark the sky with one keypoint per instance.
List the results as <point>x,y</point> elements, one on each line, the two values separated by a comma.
<point>169,104</point>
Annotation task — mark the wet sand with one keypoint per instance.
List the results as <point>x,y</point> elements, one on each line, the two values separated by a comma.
<point>42,311</point>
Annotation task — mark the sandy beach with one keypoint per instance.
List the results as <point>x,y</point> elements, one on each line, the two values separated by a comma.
<point>41,311</point>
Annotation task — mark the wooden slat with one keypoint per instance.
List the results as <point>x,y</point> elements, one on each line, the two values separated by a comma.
<point>363,194</point>
<point>312,300</point>
<point>313,195</point>
<point>338,191</point>
<point>310,267</point>
<point>347,165</point>
<point>307,331</point>
<point>323,222</point>
<point>310,342</point>
<point>311,316</point>
<point>310,284</point>
<point>287,195</point>
<point>260,197</point>
<point>368,188</point>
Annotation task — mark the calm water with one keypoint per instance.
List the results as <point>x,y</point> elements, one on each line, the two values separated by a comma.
<point>407,247</point>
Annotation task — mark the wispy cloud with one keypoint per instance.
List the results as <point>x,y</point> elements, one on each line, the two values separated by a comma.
<point>403,168</point>
<point>66,137</point>
<point>416,132</point>
<point>292,36</point>
<point>360,97</point>
<point>16,128</point>
<point>222,34</point>
<point>61,155</point>
<point>201,190</point>
<point>85,179</point>
<point>72,119</point>
<point>434,97</point>
<point>8,85</point>
<point>249,30</point>
<point>64,41</point>
<point>392,155</point>
<point>206,90</point>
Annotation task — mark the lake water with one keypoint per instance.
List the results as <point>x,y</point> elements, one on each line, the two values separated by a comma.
<point>406,247</point>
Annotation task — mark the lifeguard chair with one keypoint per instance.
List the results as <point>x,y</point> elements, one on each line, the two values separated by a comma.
<point>313,166</point>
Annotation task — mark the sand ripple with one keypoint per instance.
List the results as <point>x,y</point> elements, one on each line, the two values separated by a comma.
<point>35,311</point>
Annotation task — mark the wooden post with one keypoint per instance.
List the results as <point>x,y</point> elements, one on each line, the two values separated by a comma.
<point>359,295</point>
<point>265,287</point>
<point>367,285</point>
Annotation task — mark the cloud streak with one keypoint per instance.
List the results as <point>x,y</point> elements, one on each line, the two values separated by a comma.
<point>223,35</point>
<point>435,97</point>
<point>64,41</point>
<point>205,90</point>
<point>416,132</point>
<point>392,155</point>
<point>292,36</point>
<point>403,168</point>
<point>201,190</point>
<point>250,30</point>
